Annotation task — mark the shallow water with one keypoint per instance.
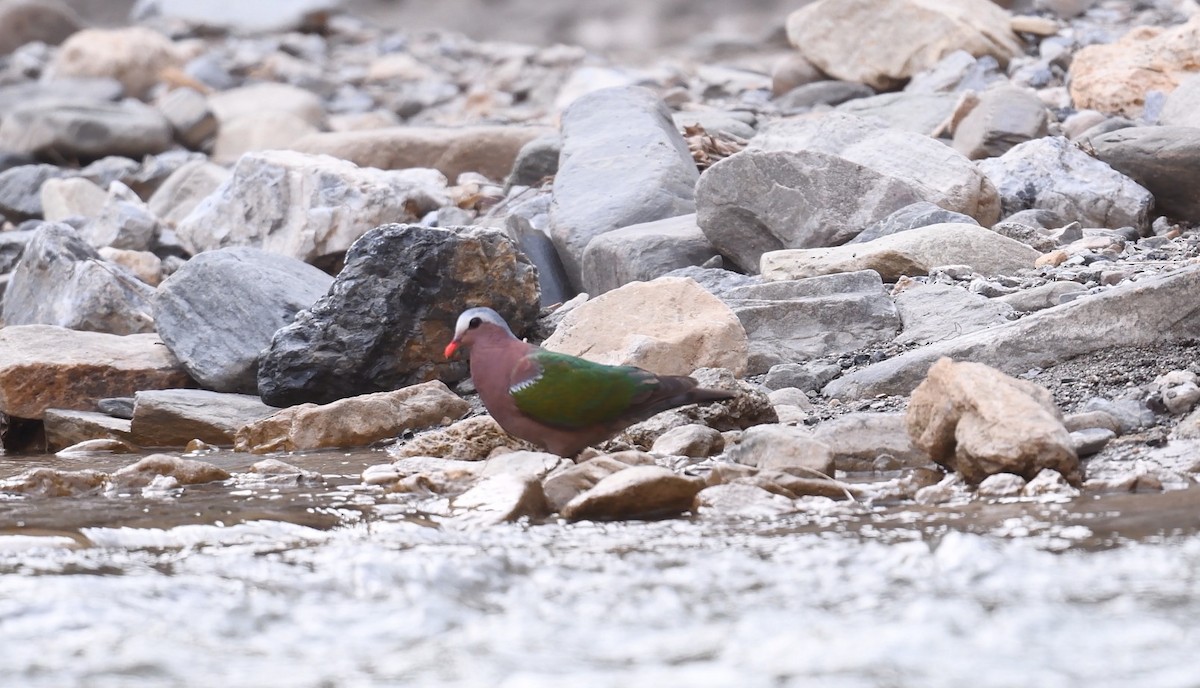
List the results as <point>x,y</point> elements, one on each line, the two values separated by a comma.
<point>260,585</point>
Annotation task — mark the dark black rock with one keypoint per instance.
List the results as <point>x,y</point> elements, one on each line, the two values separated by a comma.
<point>219,311</point>
<point>391,312</point>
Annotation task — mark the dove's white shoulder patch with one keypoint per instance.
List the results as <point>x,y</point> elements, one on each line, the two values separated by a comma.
<point>525,384</point>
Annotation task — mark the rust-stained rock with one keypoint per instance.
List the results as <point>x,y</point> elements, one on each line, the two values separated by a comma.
<point>43,366</point>
<point>977,421</point>
<point>65,428</point>
<point>353,422</point>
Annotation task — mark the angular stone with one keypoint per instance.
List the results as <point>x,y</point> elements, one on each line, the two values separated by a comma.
<point>1004,117</point>
<point>783,448</point>
<point>919,214</point>
<point>391,311</point>
<point>184,189</point>
<point>526,464</point>
<point>489,150</point>
<point>914,252</point>
<point>353,422</point>
<point>261,131</point>
<point>832,92</point>
<point>640,492</point>
<point>144,265</point>
<point>623,163</point>
<point>185,471</point>
<point>739,499</point>
<point>1149,311</point>
<point>61,280</point>
<point>857,440</point>
<point>895,39</point>
<point>1053,174</point>
<point>1182,108</point>
<point>815,317</point>
<point>174,417</point>
<point>66,197</point>
<point>669,326</point>
<point>124,222</point>
<point>1116,77</point>
<point>935,312</point>
<point>693,440</point>
<point>1038,298</point>
<point>191,119</point>
<point>977,421</point>
<point>560,488</point>
<point>43,367</point>
<point>306,207</point>
<point>536,161</point>
<point>920,113</point>
<point>66,428</point>
<point>502,498</point>
<point>84,130</point>
<point>133,55</point>
<point>20,197</point>
<point>642,252</point>
<point>232,104</point>
<point>470,439</point>
<point>219,339</point>
<point>1164,160</point>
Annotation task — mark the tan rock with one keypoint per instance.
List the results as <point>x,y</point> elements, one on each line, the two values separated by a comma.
<point>564,486</point>
<point>488,150</point>
<point>791,71</point>
<point>895,39</point>
<point>185,471</point>
<point>269,130</point>
<point>978,421</point>
<point>50,482</point>
<point>689,440</point>
<point>501,498</point>
<point>740,499</point>
<point>914,252</point>
<point>1115,77</point>
<point>354,421</point>
<point>635,493</point>
<point>857,440</point>
<point>133,55</point>
<point>69,196</point>
<point>255,99</point>
<point>97,446</point>
<point>470,439</point>
<point>669,326</point>
<point>43,366</point>
<point>534,464</point>
<point>1038,26</point>
<point>143,264</point>
<point>174,417</point>
<point>66,428</point>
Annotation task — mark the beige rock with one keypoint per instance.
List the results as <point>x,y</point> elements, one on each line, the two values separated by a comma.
<point>856,440</point>
<point>914,252</point>
<point>1115,77</point>
<point>523,463</point>
<point>70,196</point>
<point>185,471</point>
<point>352,422</point>
<point>791,485</point>
<point>501,498</point>
<point>488,150</point>
<point>184,189</point>
<point>270,130</point>
<point>43,366</point>
<point>783,448</point>
<point>689,440</point>
<point>97,446</point>
<point>739,499</point>
<point>256,99</point>
<point>669,326</point>
<point>447,472</point>
<point>190,117</point>
<point>174,417</point>
<point>978,421</point>
<point>66,428</point>
<point>133,55</point>
<point>50,482</point>
<point>471,439</point>
<point>640,492</point>
<point>1038,26</point>
<point>791,71</point>
<point>895,39</point>
<point>143,264</point>
<point>565,485</point>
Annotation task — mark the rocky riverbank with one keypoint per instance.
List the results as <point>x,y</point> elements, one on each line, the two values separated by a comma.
<point>952,260</point>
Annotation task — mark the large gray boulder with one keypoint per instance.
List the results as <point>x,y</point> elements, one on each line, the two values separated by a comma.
<point>623,163</point>
<point>391,311</point>
<point>87,130</point>
<point>61,280</point>
<point>219,311</point>
<point>1051,173</point>
<point>641,252</point>
<point>310,207</point>
<point>1165,160</point>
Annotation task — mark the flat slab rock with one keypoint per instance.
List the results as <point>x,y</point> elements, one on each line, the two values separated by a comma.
<point>174,417</point>
<point>43,366</point>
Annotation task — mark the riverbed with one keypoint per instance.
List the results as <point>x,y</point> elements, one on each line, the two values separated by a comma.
<point>337,584</point>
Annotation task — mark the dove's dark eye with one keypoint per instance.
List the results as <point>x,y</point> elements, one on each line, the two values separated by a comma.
<point>475,322</point>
